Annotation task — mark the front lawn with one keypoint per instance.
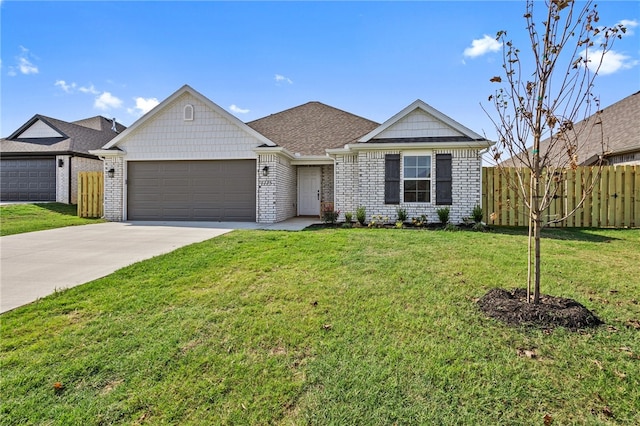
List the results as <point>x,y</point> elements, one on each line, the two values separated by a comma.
<point>358,326</point>
<point>20,218</point>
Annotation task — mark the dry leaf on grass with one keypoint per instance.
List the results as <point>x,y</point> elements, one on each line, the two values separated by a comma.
<point>527,353</point>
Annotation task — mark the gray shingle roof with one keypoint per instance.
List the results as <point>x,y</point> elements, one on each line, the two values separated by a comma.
<point>620,129</point>
<point>78,137</point>
<point>311,128</point>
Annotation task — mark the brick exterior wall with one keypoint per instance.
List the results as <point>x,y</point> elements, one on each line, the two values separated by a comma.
<point>327,184</point>
<point>346,183</point>
<point>114,189</point>
<point>78,164</point>
<point>277,193</point>
<point>286,190</point>
<point>62,180</point>
<point>467,182</point>
<point>277,197</point>
<point>81,164</point>
<point>360,182</point>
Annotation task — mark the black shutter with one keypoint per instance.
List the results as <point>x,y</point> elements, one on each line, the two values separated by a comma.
<point>392,179</point>
<point>443,180</point>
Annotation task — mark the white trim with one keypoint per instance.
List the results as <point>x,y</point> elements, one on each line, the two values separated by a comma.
<point>420,145</point>
<point>273,150</point>
<point>312,160</point>
<point>418,104</point>
<point>187,89</point>
<point>431,177</point>
<point>190,158</point>
<point>107,152</point>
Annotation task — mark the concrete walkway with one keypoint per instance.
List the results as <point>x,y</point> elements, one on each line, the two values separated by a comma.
<point>36,264</point>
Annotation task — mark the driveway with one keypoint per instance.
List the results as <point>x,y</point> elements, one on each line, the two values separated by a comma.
<point>36,264</point>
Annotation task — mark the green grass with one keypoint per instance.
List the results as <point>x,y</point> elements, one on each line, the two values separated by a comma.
<point>360,326</point>
<point>20,218</point>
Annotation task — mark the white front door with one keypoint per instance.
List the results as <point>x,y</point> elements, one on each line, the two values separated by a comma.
<point>309,179</point>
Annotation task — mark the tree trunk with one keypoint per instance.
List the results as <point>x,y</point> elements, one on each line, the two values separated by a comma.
<point>537,225</point>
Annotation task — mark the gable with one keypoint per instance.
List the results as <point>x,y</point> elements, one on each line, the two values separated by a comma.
<point>211,134</point>
<point>39,129</point>
<point>418,124</point>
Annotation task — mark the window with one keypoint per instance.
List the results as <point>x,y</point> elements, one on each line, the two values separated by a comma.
<point>417,179</point>
<point>188,113</point>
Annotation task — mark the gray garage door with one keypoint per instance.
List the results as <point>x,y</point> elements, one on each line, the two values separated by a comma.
<point>28,180</point>
<point>192,190</point>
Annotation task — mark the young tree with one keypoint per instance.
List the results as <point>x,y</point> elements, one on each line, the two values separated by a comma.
<point>549,90</point>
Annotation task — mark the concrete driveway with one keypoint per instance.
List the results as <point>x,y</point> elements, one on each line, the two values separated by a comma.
<point>36,264</point>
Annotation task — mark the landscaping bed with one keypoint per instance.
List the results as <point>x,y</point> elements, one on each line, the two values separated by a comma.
<point>513,308</point>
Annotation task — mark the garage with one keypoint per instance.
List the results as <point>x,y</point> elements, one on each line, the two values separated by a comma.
<point>29,179</point>
<point>201,190</point>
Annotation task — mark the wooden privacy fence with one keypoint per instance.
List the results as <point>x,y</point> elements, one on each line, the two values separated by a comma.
<point>90,186</point>
<point>614,201</point>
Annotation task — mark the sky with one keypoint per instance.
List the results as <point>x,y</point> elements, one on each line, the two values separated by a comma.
<point>76,59</point>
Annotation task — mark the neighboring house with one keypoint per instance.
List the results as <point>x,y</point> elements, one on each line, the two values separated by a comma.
<point>40,161</point>
<point>613,134</point>
<point>189,159</point>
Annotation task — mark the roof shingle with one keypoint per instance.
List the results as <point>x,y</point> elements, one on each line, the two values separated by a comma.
<point>311,128</point>
<point>79,137</point>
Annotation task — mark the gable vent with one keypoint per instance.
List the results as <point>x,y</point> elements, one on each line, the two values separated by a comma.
<point>188,113</point>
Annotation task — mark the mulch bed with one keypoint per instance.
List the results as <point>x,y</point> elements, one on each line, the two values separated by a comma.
<point>511,307</point>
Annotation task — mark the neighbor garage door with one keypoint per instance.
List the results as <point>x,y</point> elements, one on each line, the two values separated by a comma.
<point>28,179</point>
<point>192,190</point>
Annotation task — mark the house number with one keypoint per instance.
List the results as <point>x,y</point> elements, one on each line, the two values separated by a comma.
<point>266,182</point>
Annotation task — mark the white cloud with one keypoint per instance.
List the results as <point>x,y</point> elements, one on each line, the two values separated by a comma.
<point>107,101</point>
<point>482,46</point>
<point>64,86</point>
<point>24,65</point>
<point>629,25</point>
<point>612,61</point>
<point>73,87</point>
<point>143,106</point>
<point>90,90</point>
<point>238,110</point>
<point>282,79</point>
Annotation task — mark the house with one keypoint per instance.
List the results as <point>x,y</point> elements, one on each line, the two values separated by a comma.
<point>189,159</point>
<point>40,161</point>
<point>613,134</point>
<point>621,131</point>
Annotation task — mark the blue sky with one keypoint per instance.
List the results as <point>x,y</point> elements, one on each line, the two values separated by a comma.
<point>72,60</point>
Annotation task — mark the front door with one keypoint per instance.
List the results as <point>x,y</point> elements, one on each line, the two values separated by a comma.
<point>309,179</point>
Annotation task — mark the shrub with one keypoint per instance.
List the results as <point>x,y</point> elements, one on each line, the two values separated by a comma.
<point>476,214</point>
<point>479,226</point>
<point>451,227</point>
<point>443,215</point>
<point>361,215</point>
<point>378,221</point>
<point>348,217</point>
<point>329,215</point>
<point>419,221</point>
<point>402,214</point>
